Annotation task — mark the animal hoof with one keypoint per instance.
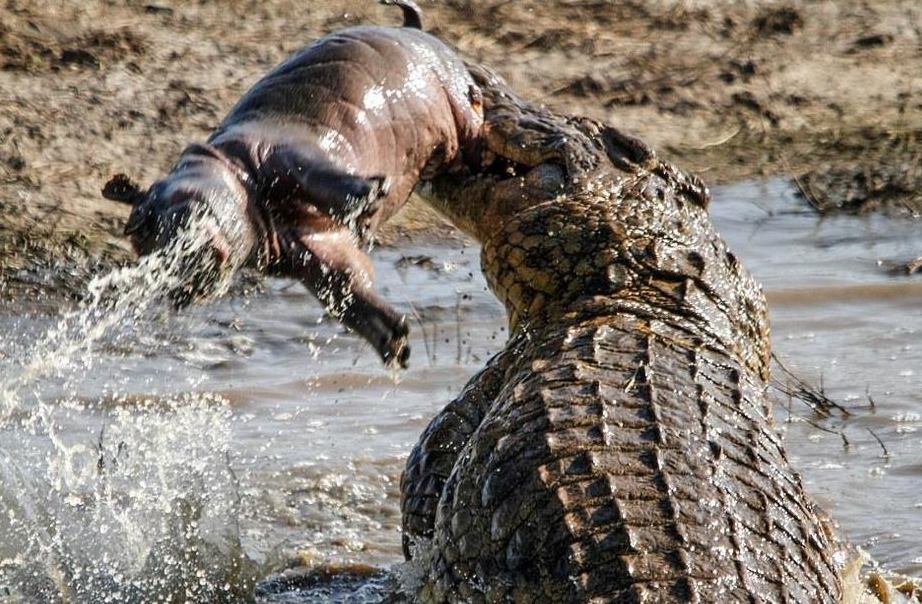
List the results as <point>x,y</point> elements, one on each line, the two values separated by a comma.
<point>396,351</point>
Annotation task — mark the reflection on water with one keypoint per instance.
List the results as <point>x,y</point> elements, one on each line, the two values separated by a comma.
<point>312,432</point>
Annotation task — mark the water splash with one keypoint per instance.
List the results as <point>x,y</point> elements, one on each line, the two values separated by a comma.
<point>116,303</point>
<point>332,585</point>
<point>148,514</point>
<point>145,510</point>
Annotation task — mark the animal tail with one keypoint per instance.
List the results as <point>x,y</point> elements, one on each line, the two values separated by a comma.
<point>412,14</point>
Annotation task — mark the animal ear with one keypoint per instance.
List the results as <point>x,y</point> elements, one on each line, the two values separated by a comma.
<point>123,189</point>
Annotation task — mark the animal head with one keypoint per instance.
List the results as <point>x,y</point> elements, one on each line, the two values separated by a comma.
<point>158,214</point>
<point>195,219</point>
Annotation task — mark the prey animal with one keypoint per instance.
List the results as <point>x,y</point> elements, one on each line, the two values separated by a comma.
<point>312,159</point>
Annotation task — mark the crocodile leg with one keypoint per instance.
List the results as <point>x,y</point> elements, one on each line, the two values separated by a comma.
<point>435,454</point>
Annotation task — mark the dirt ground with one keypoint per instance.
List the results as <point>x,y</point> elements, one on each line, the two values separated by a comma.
<point>826,91</point>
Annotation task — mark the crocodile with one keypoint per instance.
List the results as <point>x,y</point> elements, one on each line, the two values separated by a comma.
<point>621,447</point>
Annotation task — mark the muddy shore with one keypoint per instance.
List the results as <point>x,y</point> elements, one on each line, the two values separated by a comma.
<point>827,92</point>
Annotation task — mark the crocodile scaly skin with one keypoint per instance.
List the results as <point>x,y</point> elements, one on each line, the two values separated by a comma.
<point>621,447</point>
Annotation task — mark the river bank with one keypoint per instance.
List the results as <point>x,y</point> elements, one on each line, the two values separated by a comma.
<point>826,92</point>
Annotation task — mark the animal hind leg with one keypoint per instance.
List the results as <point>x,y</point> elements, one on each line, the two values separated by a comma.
<point>339,274</point>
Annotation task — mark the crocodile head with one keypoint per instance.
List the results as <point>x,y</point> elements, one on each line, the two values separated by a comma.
<point>577,219</point>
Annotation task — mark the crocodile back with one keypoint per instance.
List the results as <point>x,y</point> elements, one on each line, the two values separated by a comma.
<point>628,460</point>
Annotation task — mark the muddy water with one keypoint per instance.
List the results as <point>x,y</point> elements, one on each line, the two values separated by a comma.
<point>284,438</point>
<point>840,319</point>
